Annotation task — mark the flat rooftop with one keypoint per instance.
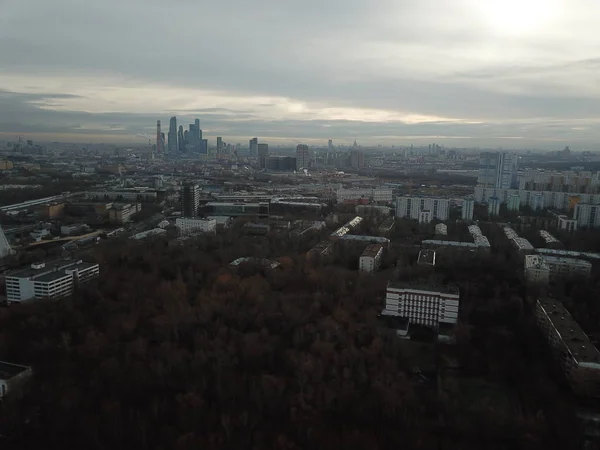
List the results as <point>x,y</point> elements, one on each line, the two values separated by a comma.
<point>444,289</point>
<point>426,258</point>
<point>371,250</point>
<point>9,370</point>
<point>577,341</point>
<point>49,270</point>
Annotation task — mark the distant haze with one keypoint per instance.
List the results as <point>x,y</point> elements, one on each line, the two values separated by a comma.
<point>510,73</point>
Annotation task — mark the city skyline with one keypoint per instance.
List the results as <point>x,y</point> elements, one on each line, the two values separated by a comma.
<point>508,74</point>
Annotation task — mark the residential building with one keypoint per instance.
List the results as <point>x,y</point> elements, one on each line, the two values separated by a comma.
<point>387,226</point>
<point>302,157</point>
<point>424,305</point>
<point>468,206</point>
<point>361,238</point>
<point>550,240</point>
<point>561,267</point>
<point>494,206</point>
<point>193,225</point>
<point>12,376</point>
<point>233,209</point>
<point>587,216</point>
<point>425,216</point>
<point>190,200</point>
<point>498,170</point>
<point>411,207</point>
<point>514,202</point>
<point>370,259</point>
<point>375,195</point>
<point>53,211</point>
<point>536,199</point>
<point>573,351</point>
<point>48,280</point>
<point>537,271</point>
<point>564,223</point>
<point>122,213</point>
<point>321,250</point>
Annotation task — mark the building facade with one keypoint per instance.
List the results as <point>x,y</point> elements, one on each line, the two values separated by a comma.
<point>412,207</point>
<point>48,280</point>
<point>370,259</point>
<point>423,305</point>
<point>497,170</point>
<point>587,216</point>
<point>468,207</point>
<point>302,157</point>
<point>193,225</point>
<point>190,200</point>
<point>375,195</point>
<point>573,351</point>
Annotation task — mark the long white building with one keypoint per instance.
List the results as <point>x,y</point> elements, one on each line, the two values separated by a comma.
<point>423,209</point>
<point>376,195</point>
<point>192,225</point>
<point>536,199</point>
<point>587,215</point>
<point>48,280</point>
<point>424,305</point>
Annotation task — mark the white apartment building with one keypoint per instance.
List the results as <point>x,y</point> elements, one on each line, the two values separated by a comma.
<point>370,259</point>
<point>11,375</point>
<point>412,207</point>
<point>561,267</point>
<point>537,271</point>
<point>564,223</point>
<point>48,280</point>
<point>192,225</point>
<point>422,305</point>
<point>441,229</point>
<point>587,215</point>
<point>376,195</point>
<point>545,199</point>
<point>468,206</point>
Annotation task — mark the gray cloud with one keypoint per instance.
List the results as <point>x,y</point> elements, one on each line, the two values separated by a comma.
<point>432,57</point>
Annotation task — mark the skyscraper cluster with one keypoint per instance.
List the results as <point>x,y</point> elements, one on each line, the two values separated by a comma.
<point>180,140</point>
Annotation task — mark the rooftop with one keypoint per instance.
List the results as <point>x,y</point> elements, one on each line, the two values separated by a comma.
<point>567,261</point>
<point>536,262</point>
<point>550,251</point>
<point>262,262</point>
<point>449,243</point>
<point>356,237</point>
<point>548,238</point>
<point>522,244</point>
<point>578,343</point>
<point>372,250</point>
<point>443,289</point>
<point>46,271</point>
<point>426,258</point>
<point>9,370</point>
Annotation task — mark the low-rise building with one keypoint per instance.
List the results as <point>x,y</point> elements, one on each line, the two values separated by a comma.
<point>387,226</point>
<point>76,228</point>
<point>441,229</point>
<point>426,258</point>
<point>12,376</point>
<point>550,240</point>
<point>193,225</point>
<point>149,233</point>
<point>564,223</point>
<point>370,259</point>
<point>537,271</point>
<point>52,279</point>
<point>321,250</point>
<point>120,214</point>
<point>574,352</point>
<point>561,267</point>
<point>425,305</point>
<point>52,211</point>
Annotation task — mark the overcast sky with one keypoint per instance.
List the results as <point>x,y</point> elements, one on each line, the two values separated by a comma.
<point>510,73</point>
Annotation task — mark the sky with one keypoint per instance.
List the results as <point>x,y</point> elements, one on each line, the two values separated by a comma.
<point>487,73</point>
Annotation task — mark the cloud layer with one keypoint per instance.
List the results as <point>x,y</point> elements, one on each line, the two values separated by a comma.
<point>467,73</point>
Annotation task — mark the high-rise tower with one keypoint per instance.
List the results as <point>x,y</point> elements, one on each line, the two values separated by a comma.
<point>253,146</point>
<point>302,156</point>
<point>172,143</point>
<point>190,200</point>
<point>160,148</point>
<point>181,139</point>
<point>198,130</point>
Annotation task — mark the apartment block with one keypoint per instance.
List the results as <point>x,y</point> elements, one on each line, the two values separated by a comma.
<point>424,305</point>
<point>48,280</point>
<point>536,199</point>
<point>193,225</point>
<point>423,209</point>
<point>561,267</point>
<point>537,271</point>
<point>376,195</point>
<point>121,214</point>
<point>468,207</point>
<point>573,351</point>
<point>587,216</point>
<point>11,376</point>
<point>370,259</point>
